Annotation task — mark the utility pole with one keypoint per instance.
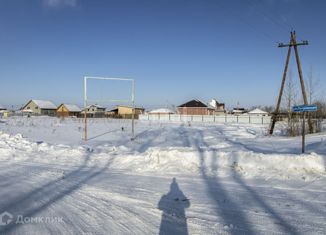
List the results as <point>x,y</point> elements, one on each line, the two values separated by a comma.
<point>293,43</point>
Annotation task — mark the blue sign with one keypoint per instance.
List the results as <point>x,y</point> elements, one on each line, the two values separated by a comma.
<point>304,108</point>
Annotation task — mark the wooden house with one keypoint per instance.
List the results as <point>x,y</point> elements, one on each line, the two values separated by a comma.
<point>125,111</point>
<point>66,110</point>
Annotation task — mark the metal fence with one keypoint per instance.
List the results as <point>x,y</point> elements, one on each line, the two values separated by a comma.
<point>206,118</point>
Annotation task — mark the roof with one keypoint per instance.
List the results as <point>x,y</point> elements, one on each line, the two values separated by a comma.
<point>193,103</point>
<point>2,107</point>
<point>72,107</point>
<point>162,110</point>
<point>44,104</point>
<point>96,105</point>
<point>257,111</point>
<point>126,106</point>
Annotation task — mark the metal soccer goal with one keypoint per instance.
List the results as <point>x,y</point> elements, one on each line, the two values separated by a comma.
<point>131,100</point>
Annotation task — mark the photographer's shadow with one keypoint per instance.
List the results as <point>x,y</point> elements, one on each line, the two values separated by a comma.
<point>173,205</point>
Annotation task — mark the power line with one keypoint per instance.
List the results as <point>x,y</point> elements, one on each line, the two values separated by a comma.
<point>244,21</point>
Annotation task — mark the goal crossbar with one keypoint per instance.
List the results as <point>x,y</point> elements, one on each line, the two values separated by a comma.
<point>132,100</point>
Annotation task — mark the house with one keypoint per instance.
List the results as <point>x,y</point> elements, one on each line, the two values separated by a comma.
<point>66,110</point>
<point>195,107</point>
<point>40,107</point>
<point>218,107</point>
<point>95,111</point>
<point>3,111</point>
<point>125,111</point>
<point>161,111</point>
<point>257,112</point>
<point>112,112</point>
<point>238,111</point>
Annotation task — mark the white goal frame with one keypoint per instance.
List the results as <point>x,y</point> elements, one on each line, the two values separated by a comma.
<point>131,100</point>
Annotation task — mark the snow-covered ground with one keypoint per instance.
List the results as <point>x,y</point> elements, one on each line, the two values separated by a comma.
<point>172,179</point>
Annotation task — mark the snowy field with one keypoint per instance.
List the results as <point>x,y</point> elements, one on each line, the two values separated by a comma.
<point>172,179</point>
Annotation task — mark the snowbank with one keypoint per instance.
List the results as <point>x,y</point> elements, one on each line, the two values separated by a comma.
<point>168,160</point>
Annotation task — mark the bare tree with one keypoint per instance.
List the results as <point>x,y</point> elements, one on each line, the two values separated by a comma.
<point>290,93</point>
<point>291,99</point>
<point>313,85</point>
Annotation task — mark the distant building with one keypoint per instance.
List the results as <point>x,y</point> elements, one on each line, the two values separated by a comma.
<point>258,112</point>
<point>2,108</point>
<point>161,111</point>
<point>125,111</point>
<point>95,111</point>
<point>238,111</point>
<point>195,107</point>
<point>3,111</point>
<point>66,110</point>
<point>40,107</point>
<point>218,107</point>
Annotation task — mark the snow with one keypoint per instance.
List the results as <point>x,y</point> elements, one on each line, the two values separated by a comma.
<point>95,105</point>
<point>174,178</point>
<point>257,111</point>
<point>162,110</point>
<point>45,104</point>
<point>72,107</point>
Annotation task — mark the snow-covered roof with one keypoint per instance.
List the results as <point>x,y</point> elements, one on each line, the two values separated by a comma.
<point>96,105</point>
<point>213,103</point>
<point>257,111</point>
<point>45,104</point>
<point>162,110</point>
<point>2,107</point>
<point>72,107</point>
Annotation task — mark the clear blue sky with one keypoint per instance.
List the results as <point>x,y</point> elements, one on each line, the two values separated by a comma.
<point>175,50</point>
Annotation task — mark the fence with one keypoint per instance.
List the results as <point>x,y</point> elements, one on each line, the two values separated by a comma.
<point>207,118</point>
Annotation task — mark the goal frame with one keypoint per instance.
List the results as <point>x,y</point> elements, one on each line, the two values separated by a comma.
<point>131,100</point>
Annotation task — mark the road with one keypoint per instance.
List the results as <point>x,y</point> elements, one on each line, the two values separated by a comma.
<point>101,200</point>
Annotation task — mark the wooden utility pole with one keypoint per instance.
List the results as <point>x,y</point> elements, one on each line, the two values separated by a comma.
<point>293,43</point>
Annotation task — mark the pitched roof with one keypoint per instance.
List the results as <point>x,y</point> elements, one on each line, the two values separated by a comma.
<point>194,103</point>
<point>72,107</point>
<point>163,110</point>
<point>96,105</point>
<point>126,106</point>
<point>257,111</point>
<point>44,104</point>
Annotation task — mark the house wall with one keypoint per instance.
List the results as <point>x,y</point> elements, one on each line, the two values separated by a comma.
<point>50,112</point>
<point>128,110</point>
<point>32,106</point>
<point>221,107</point>
<point>62,111</point>
<point>95,112</point>
<point>193,111</point>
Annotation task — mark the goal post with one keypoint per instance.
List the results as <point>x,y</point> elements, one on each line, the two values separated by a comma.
<point>131,100</point>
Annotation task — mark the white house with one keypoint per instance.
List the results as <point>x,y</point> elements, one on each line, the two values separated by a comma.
<point>258,112</point>
<point>161,111</point>
<point>2,108</point>
<point>94,110</point>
